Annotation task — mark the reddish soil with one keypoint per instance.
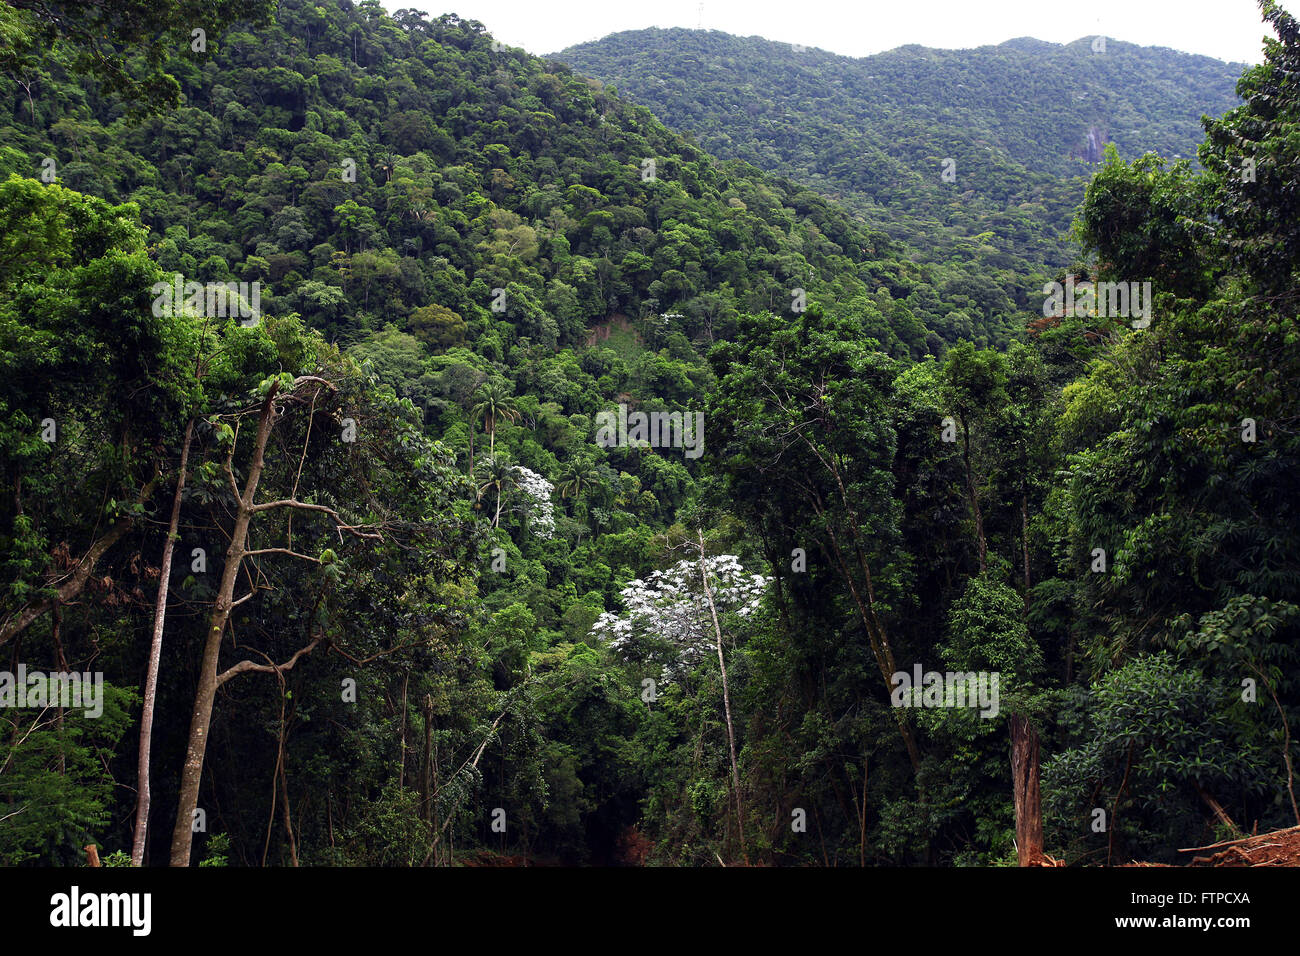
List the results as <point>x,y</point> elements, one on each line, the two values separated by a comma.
<point>1278,848</point>
<point>600,332</point>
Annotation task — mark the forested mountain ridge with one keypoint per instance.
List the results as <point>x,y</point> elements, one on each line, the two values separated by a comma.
<point>1019,121</point>
<point>417,152</point>
<point>1033,100</point>
<point>393,575</point>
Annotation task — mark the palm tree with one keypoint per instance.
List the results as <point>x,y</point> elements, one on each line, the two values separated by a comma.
<point>502,476</point>
<point>494,404</point>
<point>575,478</point>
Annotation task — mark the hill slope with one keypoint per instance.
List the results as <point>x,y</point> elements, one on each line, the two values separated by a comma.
<point>474,168</point>
<point>1019,120</point>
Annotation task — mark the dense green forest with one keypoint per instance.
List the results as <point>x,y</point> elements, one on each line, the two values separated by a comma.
<point>974,160</point>
<point>443,461</point>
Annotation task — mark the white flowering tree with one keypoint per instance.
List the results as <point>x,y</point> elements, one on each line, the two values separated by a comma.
<point>673,616</point>
<point>670,609</point>
<point>538,506</point>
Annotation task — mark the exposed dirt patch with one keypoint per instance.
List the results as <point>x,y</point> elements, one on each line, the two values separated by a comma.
<point>1278,848</point>
<point>490,858</point>
<point>615,320</point>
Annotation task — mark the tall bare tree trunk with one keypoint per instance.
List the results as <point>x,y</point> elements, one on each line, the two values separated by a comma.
<point>288,820</point>
<point>155,657</point>
<point>1024,539</point>
<point>1024,778</point>
<point>1024,747</point>
<point>876,633</point>
<point>1286,743</point>
<point>974,499</point>
<point>726,697</point>
<point>883,653</point>
<point>192,773</point>
<point>426,768</point>
<point>401,775</point>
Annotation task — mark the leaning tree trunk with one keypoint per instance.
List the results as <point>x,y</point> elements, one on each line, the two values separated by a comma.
<point>1024,539</point>
<point>726,699</point>
<point>974,500</point>
<point>876,633</point>
<point>155,656</point>
<point>1024,747</point>
<point>79,577</point>
<point>182,835</point>
<point>1024,780</point>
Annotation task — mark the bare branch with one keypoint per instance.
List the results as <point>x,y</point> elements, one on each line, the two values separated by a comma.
<point>373,657</point>
<point>81,571</point>
<point>352,529</point>
<point>301,379</point>
<point>243,666</point>
<point>291,553</point>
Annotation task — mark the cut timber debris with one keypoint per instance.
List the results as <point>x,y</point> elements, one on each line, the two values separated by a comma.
<point>1278,848</point>
<point>1042,859</point>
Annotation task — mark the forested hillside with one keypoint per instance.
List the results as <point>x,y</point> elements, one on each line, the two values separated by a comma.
<point>442,461</point>
<point>974,159</point>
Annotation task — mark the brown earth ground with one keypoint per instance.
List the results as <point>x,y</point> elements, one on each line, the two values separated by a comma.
<point>1276,848</point>
<point>600,331</point>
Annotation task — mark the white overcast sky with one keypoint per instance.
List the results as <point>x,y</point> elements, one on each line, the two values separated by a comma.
<point>1226,29</point>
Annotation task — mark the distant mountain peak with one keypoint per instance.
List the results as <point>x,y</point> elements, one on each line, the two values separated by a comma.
<point>1029,45</point>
